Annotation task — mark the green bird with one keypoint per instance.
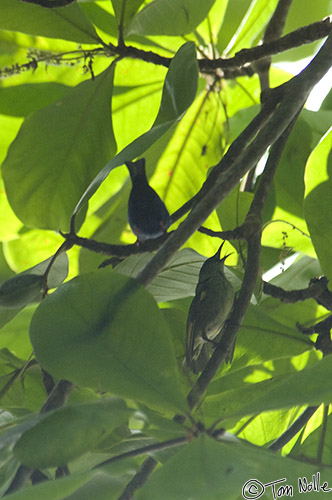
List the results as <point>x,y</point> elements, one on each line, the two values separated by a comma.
<point>208,311</point>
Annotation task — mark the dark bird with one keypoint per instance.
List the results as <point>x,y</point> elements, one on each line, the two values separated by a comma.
<point>208,311</point>
<point>147,214</point>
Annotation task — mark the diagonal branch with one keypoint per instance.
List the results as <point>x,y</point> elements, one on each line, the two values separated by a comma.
<point>253,229</point>
<point>295,92</point>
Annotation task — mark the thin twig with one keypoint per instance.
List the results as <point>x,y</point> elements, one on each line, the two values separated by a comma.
<point>171,443</point>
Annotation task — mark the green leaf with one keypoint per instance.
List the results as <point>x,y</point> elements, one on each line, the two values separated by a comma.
<point>310,386</point>
<point>68,23</point>
<point>130,8</point>
<point>317,203</point>
<point>207,469</point>
<point>20,290</point>
<point>98,326</point>
<point>55,490</point>
<point>178,279</point>
<point>61,164</point>
<point>14,330</point>
<point>100,15</point>
<point>20,100</point>
<point>24,288</point>
<point>289,183</point>
<point>81,427</point>
<point>252,25</point>
<point>314,439</point>
<point>301,14</point>
<point>289,193</point>
<point>233,210</point>
<point>212,23</point>
<point>169,17</point>
<point>179,91</point>
<point>262,338</point>
<point>299,274</point>
<point>106,485</point>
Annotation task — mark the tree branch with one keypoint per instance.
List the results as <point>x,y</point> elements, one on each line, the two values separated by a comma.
<point>273,31</point>
<point>301,36</point>
<point>50,3</point>
<point>295,92</point>
<point>316,288</point>
<point>253,229</point>
<point>139,479</point>
<point>296,426</point>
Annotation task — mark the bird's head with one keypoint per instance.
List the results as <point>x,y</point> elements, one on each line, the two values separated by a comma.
<point>136,168</point>
<point>213,264</point>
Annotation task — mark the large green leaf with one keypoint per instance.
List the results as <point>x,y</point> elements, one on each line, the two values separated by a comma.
<point>67,22</point>
<point>314,442</point>
<point>20,100</point>
<point>169,17</point>
<point>210,26</point>
<point>178,279</point>
<point>252,25</point>
<point>179,91</point>
<point>288,181</point>
<point>102,16</point>
<point>262,338</point>
<point>301,13</point>
<point>317,203</point>
<point>289,193</point>
<point>299,274</point>
<point>106,485</point>
<point>75,140</point>
<point>207,469</point>
<point>104,331</point>
<point>81,427</point>
<point>310,386</point>
<point>124,11</point>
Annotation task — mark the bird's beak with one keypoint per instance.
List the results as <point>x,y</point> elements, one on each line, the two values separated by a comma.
<point>225,257</point>
<point>217,254</point>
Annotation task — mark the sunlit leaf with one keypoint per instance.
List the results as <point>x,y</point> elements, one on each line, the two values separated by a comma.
<point>178,93</point>
<point>317,203</point>
<point>169,17</point>
<point>62,22</point>
<point>252,25</point>
<point>63,161</point>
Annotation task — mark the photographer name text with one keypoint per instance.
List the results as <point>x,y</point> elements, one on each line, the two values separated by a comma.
<point>254,488</point>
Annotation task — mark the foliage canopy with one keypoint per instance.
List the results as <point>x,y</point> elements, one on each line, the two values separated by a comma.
<point>96,401</point>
